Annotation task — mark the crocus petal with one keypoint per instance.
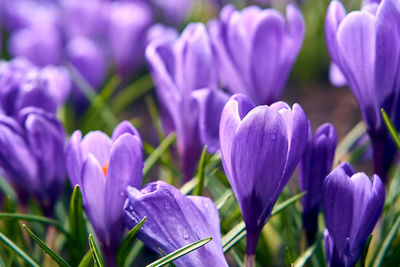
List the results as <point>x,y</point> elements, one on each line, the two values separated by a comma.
<point>336,77</point>
<point>173,221</point>
<point>261,135</point>
<point>338,195</point>
<point>98,144</point>
<point>211,103</point>
<point>122,128</point>
<point>93,186</point>
<point>125,168</point>
<point>356,39</point>
<point>74,158</point>
<point>234,111</point>
<point>334,17</point>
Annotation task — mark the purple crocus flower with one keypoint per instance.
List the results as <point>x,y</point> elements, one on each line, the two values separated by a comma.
<point>104,167</point>
<point>352,205</point>
<point>181,68</point>
<point>315,165</point>
<point>358,44</point>
<point>32,155</point>
<point>23,85</point>
<point>127,24</point>
<point>260,147</point>
<point>256,49</point>
<point>175,220</point>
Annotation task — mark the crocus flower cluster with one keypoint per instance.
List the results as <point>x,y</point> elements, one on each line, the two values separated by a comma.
<point>103,168</point>
<point>352,205</point>
<point>255,49</point>
<point>22,85</point>
<point>186,84</point>
<point>359,44</point>
<point>260,147</point>
<point>32,155</point>
<point>174,220</point>
<point>315,165</point>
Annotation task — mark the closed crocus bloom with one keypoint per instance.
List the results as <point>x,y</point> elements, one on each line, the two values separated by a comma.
<point>127,26</point>
<point>180,68</point>
<point>260,147</point>
<point>315,165</point>
<point>256,49</point>
<point>103,168</point>
<point>352,205</point>
<point>32,155</point>
<point>41,44</point>
<point>358,45</point>
<point>174,220</point>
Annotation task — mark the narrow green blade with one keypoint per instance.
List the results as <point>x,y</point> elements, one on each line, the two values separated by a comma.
<point>386,243</point>
<point>86,259</point>
<point>391,128</point>
<point>239,231</point>
<point>19,251</point>
<point>179,253</point>
<point>156,155</point>
<point>77,227</point>
<point>198,190</point>
<point>127,243</point>
<point>302,260</point>
<point>60,261</point>
<point>33,218</point>
<point>95,252</point>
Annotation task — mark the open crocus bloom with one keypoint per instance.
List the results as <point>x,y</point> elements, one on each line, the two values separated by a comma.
<point>175,220</point>
<point>104,167</point>
<point>261,147</point>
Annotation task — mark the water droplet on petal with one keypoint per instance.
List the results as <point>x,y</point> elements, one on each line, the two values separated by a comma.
<point>167,206</point>
<point>185,234</point>
<point>273,136</point>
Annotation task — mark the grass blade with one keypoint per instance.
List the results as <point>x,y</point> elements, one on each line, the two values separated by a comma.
<point>86,259</point>
<point>33,218</point>
<point>60,261</point>
<point>386,243</point>
<point>127,243</point>
<point>19,251</point>
<point>302,260</point>
<point>391,128</point>
<point>349,140</point>
<point>179,253</point>
<point>132,92</point>
<point>198,190</point>
<point>156,155</point>
<point>95,252</point>
<point>239,231</point>
<point>77,227</point>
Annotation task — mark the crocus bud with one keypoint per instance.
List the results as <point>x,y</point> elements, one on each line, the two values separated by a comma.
<point>255,49</point>
<point>179,68</point>
<point>127,26</point>
<point>260,148</point>
<point>32,155</point>
<point>315,165</point>
<point>104,167</point>
<point>352,205</point>
<point>174,220</point>
<point>358,45</point>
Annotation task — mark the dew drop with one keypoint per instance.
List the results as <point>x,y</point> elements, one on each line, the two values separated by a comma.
<point>185,234</point>
<point>206,204</point>
<point>122,193</point>
<point>167,206</point>
<point>273,136</point>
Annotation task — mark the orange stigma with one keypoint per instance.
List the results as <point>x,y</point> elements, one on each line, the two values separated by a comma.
<point>105,168</point>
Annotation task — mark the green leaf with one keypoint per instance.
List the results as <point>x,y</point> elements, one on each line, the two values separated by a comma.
<point>222,200</point>
<point>302,260</point>
<point>130,93</point>
<point>77,226</point>
<point>391,128</point>
<point>60,261</point>
<point>288,257</point>
<point>33,218</point>
<point>152,108</point>
<point>386,243</point>
<point>127,243</point>
<point>198,190</point>
<point>364,253</point>
<point>19,251</point>
<point>349,140</point>
<point>86,259</point>
<point>95,252</point>
<point>156,155</point>
<point>239,231</point>
<point>179,253</point>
